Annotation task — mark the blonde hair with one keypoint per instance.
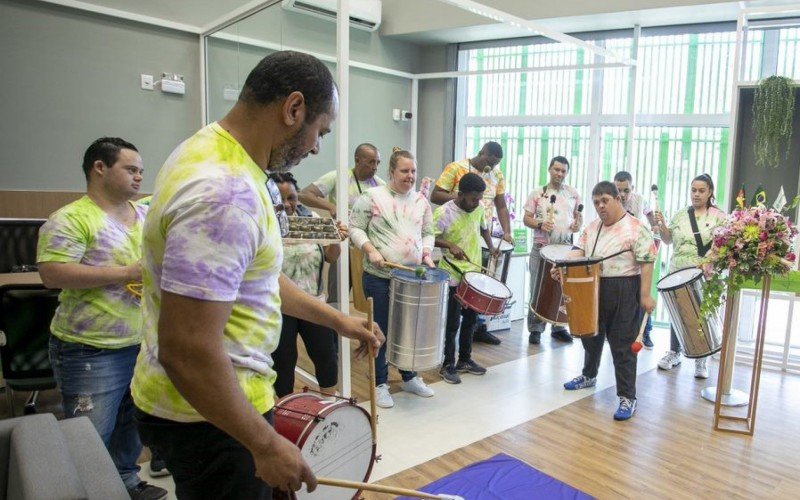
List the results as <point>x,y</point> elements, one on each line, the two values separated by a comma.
<point>398,153</point>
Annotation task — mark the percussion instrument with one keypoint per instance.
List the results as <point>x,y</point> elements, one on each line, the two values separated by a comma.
<point>497,267</point>
<point>483,294</point>
<point>580,284</point>
<point>417,319</point>
<point>334,439</point>
<point>637,344</point>
<point>682,291</point>
<point>547,302</point>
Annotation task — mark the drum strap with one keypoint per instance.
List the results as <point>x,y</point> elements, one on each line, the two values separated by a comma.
<point>598,239</point>
<point>702,249</point>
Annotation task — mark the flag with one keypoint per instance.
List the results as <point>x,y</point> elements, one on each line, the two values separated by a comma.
<point>780,201</point>
<point>759,198</point>
<point>740,197</point>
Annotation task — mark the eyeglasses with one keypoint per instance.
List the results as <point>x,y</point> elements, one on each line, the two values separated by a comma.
<point>277,205</point>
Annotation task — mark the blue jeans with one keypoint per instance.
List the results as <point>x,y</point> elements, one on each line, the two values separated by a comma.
<point>378,289</point>
<point>95,383</point>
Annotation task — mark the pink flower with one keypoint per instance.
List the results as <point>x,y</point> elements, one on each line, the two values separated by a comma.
<point>791,256</point>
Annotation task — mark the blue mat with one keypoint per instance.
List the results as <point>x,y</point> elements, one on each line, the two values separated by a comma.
<point>502,477</point>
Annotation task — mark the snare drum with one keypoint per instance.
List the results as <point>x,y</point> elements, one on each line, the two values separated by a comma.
<point>682,291</point>
<point>335,439</point>
<point>547,301</point>
<point>483,294</point>
<point>497,266</point>
<point>581,288</point>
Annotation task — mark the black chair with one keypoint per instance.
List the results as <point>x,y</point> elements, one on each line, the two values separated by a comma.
<point>18,239</point>
<point>25,315</point>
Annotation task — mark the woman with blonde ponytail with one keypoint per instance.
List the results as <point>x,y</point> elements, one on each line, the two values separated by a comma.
<point>392,223</point>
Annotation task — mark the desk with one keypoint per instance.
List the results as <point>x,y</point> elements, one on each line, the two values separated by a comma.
<point>20,279</point>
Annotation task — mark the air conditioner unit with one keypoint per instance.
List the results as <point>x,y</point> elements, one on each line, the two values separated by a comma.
<point>364,14</point>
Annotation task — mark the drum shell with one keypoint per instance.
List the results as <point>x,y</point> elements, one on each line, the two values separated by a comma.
<point>417,320</point>
<point>582,298</point>
<point>547,301</point>
<point>699,338</point>
<point>296,416</point>
<point>498,268</point>
<point>479,301</point>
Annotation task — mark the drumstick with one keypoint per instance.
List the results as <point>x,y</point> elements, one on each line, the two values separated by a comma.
<point>372,402</point>
<point>379,488</point>
<point>551,208</point>
<point>419,271</point>
<point>477,265</point>
<point>637,344</point>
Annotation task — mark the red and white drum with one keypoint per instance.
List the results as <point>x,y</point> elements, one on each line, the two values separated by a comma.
<point>483,294</point>
<point>335,439</point>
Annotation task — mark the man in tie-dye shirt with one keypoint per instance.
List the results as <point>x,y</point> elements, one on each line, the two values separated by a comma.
<point>214,293</point>
<point>90,249</point>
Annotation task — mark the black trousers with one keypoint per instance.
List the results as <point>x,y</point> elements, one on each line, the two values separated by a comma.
<point>619,318</point>
<point>205,462</point>
<point>321,346</point>
<point>464,318</point>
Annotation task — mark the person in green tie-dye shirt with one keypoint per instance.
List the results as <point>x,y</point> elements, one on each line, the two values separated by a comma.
<point>214,293</point>
<point>91,249</point>
<point>685,253</point>
<point>458,226</point>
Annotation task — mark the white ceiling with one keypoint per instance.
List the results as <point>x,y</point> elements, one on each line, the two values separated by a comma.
<point>433,22</point>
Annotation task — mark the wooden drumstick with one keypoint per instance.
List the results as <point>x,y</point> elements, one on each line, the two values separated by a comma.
<point>419,271</point>
<point>379,488</point>
<point>637,344</point>
<point>373,407</point>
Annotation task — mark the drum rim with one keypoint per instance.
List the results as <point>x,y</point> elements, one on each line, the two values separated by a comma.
<point>542,250</point>
<point>396,274</point>
<point>502,242</point>
<point>551,322</point>
<point>510,293</point>
<point>582,261</point>
<point>660,289</point>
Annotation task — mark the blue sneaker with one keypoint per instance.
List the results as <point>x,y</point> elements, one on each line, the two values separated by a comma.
<point>580,382</point>
<point>626,409</point>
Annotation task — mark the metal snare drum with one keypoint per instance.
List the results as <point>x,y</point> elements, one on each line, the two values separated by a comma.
<point>417,319</point>
<point>497,266</point>
<point>682,291</point>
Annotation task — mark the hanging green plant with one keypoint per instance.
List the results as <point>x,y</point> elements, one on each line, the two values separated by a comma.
<point>773,110</point>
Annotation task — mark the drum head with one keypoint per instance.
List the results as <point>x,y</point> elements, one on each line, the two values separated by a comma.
<point>432,275</point>
<point>555,253</point>
<point>500,243</point>
<point>678,279</point>
<point>340,446</point>
<point>487,285</point>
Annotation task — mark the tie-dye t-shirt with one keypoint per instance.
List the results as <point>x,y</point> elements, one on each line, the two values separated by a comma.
<point>327,186</point>
<point>106,317</point>
<point>398,225</point>
<point>454,225</point>
<point>629,233</point>
<point>211,234</point>
<point>639,207</point>
<point>564,209</point>
<point>684,247</point>
<point>495,183</point>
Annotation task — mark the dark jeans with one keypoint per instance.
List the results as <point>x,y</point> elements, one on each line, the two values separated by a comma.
<point>320,344</point>
<point>95,383</point>
<point>204,461</point>
<point>674,344</point>
<point>619,318</point>
<point>466,319</point>
<point>378,289</point>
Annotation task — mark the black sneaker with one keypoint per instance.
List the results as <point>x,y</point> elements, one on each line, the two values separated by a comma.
<point>646,341</point>
<point>535,338</point>
<point>144,491</point>
<point>449,374</point>
<point>481,335</point>
<point>470,366</point>
<point>157,467</point>
<point>561,335</point>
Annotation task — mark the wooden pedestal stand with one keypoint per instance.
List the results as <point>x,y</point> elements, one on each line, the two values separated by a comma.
<point>728,356</point>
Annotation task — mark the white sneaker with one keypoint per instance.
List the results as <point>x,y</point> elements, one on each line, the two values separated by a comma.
<point>382,397</point>
<point>701,368</point>
<point>670,360</point>
<point>418,387</point>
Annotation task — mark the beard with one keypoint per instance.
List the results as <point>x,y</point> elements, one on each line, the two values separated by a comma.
<point>288,154</point>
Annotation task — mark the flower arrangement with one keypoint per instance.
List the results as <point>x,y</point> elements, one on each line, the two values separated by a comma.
<point>753,242</point>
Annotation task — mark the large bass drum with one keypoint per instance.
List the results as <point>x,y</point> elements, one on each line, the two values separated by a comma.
<point>682,292</point>
<point>547,301</point>
<point>417,319</point>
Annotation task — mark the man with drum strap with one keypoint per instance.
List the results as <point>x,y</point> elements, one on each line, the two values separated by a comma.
<point>486,164</point>
<point>214,293</point>
<point>637,205</point>
<point>627,247</point>
<point>553,212</point>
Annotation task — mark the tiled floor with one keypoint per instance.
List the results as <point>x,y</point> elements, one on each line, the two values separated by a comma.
<point>419,429</point>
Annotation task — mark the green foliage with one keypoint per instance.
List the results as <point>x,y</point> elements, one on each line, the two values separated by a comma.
<point>773,110</point>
